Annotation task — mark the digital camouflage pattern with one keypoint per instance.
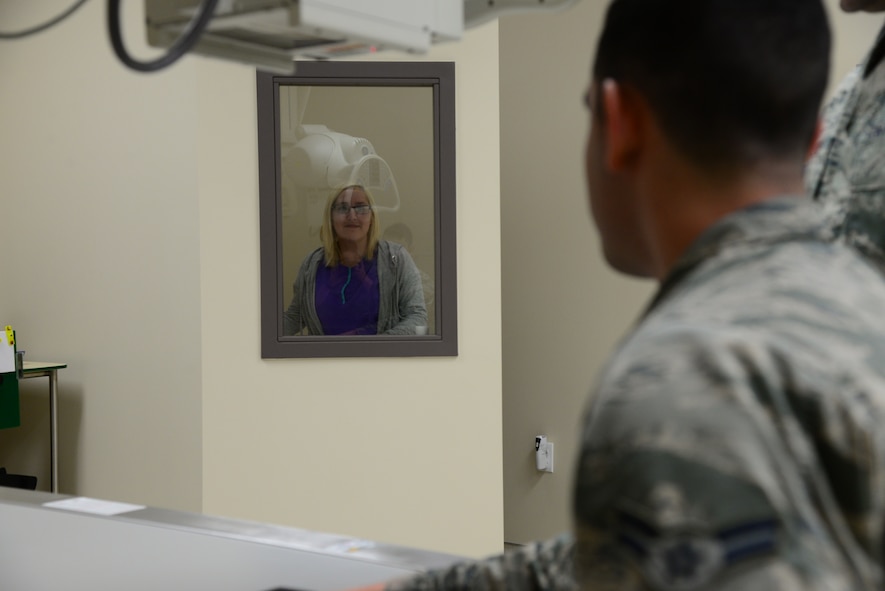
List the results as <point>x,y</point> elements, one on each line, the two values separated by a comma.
<point>847,172</point>
<point>734,441</point>
<point>540,565</point>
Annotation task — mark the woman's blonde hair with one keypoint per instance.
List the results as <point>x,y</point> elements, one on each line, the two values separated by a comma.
<point>327,232</point>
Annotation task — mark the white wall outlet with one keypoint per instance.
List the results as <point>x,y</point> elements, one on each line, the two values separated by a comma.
<point>543,454</point>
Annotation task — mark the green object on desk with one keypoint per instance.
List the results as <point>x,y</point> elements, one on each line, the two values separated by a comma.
<point>10,415</point>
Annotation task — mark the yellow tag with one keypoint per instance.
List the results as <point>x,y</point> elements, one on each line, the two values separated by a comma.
<point>10,335</point>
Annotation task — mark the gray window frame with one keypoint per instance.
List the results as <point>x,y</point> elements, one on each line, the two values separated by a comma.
<point>440,76</point>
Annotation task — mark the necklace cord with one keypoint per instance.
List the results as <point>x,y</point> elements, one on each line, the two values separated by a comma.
<point>346,283</point>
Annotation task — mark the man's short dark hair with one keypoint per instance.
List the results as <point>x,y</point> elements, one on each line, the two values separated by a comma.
<point>731,82</point>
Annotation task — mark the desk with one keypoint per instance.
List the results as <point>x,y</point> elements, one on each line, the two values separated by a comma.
<point>43,369</point>
<point>150,548</point>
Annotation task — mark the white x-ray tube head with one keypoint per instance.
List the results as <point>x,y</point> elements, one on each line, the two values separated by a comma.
<point>325,160</point>
<point>322,161</point>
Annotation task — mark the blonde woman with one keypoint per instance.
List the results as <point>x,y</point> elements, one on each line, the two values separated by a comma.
<point>355,284</point>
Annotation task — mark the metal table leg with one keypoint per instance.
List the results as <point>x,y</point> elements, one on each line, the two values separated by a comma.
<point>53,430</point>
<point>36,369</point>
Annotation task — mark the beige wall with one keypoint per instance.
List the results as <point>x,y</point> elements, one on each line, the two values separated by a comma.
<point>401,450</point>
<point>550,252</point>
<point>130,241</point>
<point>853,36</point>
<point>100,265</point>
<point>562,308</point>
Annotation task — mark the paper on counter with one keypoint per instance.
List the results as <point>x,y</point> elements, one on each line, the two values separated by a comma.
<point>94,506</point>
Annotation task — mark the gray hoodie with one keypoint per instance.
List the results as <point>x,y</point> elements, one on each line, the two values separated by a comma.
<point>401,305</point>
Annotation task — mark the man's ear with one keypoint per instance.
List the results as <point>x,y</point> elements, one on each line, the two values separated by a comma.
<point>622,126</point>
<point>815,142</point>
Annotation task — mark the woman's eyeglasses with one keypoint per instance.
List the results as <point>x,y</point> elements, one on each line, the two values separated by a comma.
<point>342,209</point>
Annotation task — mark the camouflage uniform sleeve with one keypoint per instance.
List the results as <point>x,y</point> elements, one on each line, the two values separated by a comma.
<point>846,174</point>
<point>694,475</point>
<point>830,120</point>
<point>859,183</point>
<point>538,566</point>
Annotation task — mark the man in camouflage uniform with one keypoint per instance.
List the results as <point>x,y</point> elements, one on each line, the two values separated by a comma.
<point>736,439</point>
<point>847,172</point>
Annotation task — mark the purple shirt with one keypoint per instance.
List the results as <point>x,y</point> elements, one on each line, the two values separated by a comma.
<point>347,298</point>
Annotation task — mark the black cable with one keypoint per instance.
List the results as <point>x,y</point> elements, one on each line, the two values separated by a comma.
<point>44,26</point>
<point>181,46</point>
